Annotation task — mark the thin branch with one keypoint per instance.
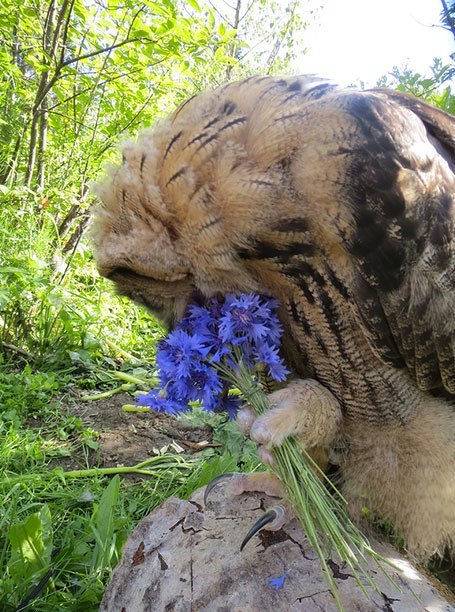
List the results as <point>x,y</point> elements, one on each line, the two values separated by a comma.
<point>59,68</point>
<point>100,84</point>
<point>65,32</point>
<point>448,16</point>
<point>233,45</point>
<point>104,50</point>
<point>69,118</point>
<point>247,10</point>
<point>223,17</point>
<point>47,26</point>
<point>133,119</point>
<point>279,41</point>
<point>58,26</point>
<point>141,10</point>
<point>229,5</point>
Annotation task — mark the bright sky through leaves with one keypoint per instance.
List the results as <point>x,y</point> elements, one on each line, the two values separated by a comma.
<point>363,40</point>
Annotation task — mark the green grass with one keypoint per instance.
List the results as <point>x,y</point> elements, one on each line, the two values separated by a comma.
<point>62,529</point>
<point>55,310</point>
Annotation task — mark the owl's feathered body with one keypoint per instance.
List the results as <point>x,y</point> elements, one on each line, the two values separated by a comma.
<point>340,203</point>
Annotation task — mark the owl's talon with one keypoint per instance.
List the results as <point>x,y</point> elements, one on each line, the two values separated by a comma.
<point>245,419</point>
<point>266,456</point>
<point>220,479</point>
<point>274,518</point>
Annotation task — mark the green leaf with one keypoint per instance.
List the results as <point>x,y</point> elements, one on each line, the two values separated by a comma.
<point>103,525</point>
<point>142,33</point>
<point>31,543</point>
<point>194,5</point>
<point>29,12</point>
<point>35,63</point>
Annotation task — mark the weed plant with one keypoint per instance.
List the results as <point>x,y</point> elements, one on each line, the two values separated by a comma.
<point>55,311</point>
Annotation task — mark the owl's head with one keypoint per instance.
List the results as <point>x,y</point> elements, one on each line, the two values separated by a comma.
<point>190,197</point>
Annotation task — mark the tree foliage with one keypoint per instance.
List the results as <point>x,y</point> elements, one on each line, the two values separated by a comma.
<point>448,16</point>
<point>77,76</point>
<point>434,87</point>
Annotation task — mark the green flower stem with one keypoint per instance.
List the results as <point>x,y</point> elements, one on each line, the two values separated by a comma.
<point>103,395</point>
<point>159,462</point>
<point>133,408</point>
<point>133,379</point>
<point>322,514</point>
<point>121,351</point>
<point>129,381</point>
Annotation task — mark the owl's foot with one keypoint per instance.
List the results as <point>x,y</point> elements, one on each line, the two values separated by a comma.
<point>265,482</point>
<point>304,409</point>
<point>237,483</point>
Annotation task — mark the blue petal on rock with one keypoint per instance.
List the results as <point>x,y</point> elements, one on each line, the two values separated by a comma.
<point>277,583</point>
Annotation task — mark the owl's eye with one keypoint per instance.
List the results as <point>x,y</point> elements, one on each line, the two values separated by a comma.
<point>127,274</point>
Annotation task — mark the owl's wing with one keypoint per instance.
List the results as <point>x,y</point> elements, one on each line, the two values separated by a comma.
<point>400,188</point>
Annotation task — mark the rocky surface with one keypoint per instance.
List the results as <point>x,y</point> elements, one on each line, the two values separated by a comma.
<point>185,558</point>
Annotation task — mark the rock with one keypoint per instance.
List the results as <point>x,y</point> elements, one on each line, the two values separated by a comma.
<point>185,558</point>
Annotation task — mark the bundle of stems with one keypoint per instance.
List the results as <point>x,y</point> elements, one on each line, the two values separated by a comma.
<point>318,505</point>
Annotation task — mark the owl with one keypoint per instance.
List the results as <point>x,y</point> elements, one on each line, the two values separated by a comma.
<point>339,203</point>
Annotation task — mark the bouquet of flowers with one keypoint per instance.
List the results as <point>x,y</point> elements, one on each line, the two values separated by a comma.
<point>220,346</point>
<point>204,355</point>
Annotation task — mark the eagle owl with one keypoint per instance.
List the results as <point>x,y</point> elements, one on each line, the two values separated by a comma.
<point>340,204</point>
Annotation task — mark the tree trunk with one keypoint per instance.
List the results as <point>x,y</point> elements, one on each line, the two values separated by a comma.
<point>42,142</point>
<point>31,150</point>
<point>52,41</point>
<point>72,242</point>
<point>10,168</point>
<point>233,47</point>
<point>184,557</point>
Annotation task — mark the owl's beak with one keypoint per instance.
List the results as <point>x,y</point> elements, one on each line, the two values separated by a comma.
<point>179,310</point>
<point>197,298</point>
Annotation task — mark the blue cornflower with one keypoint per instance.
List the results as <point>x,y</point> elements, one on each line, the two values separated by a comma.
<point>217,348</point>
<point>212,339</point>
<point>203,321</point>
<point>205,386</point>
<point>158,403</point>
<point>178,355</point>
<point>269,356</point>
<point>241,319</point>
<point>249,318</point>
<point>230,404</point>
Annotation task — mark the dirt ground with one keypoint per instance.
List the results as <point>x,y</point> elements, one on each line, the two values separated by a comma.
<point>125,438</point>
